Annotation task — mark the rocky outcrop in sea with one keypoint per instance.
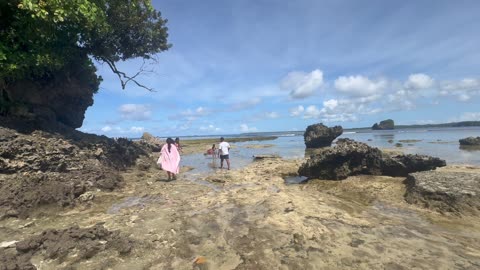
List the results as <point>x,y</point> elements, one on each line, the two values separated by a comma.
<point>349,157</point>
<point>384,125</point>
<point>470,141</point>
<point>319,135</point>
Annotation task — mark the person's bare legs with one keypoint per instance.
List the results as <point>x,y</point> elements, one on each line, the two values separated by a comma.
<point>228,163</point>
<point>169,175</point>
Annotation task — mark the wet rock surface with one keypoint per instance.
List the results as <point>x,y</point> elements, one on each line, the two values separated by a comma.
<point>68,246</point>
<point>349,157</point>
<point>42,167</point>
<point>456,192</point>
<point>319,135</point>
<point>470,141</point>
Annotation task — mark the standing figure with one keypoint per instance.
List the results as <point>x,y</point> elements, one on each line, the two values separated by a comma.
<point>170,159</point>
<point>223,149</point>
<point>177,144</point>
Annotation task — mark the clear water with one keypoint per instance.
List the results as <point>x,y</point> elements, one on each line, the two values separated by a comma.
<point>440,142</point>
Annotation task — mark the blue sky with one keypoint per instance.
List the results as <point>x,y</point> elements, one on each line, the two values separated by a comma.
<point>273,65</point>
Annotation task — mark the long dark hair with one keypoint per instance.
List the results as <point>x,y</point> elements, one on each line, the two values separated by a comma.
<point>170,142</point>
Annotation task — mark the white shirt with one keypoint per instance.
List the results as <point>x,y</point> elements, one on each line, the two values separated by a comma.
<point>223,147</point>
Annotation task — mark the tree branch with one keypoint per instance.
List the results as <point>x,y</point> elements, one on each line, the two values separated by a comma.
<point>124,78</point>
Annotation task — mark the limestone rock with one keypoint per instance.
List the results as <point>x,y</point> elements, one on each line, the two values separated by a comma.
<point>456,192</point>
<point>471,141</point>
<point>349,157</point>
<point>319,135</point>
<point>384,125</point>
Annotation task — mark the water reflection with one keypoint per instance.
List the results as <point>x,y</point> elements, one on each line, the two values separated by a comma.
<point>470,148</point>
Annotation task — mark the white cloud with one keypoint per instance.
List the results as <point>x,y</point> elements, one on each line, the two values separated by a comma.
<point>297,110</point>
<point>106,128</point>
<point>359,85</point>
<point>301,84</point>
<point>191,115</point>
<point>419,81</point>
<point>136,129</point>
<point>467,116</point>
<point>463,89</point>
<point>137,112</point>
<point>246,128</point>
<point>312,112</point>
<point>330,104</point>
<point>209,128</point>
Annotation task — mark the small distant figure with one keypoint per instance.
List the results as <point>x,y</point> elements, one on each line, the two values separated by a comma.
<point>223,149</point>
<point>211,151</point>
<point>177,144</point>
<point>169,159</point>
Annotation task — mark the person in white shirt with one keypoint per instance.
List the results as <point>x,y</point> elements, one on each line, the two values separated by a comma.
<point>223,149</point>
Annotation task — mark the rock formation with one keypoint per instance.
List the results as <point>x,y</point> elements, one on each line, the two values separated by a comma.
<point>470,141</point>
<point>152,142</point>
<point>42,167</point>
<point>349,157</point>
<point>456,192</point>
<point>62,98</point>
<point>319,135</point>
<point>384,125</point>
<point>85,243</point>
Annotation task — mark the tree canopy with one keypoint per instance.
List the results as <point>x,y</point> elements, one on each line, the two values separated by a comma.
<point>41,37</point>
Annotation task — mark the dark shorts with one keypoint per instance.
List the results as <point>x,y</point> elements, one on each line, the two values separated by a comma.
<point>222,157</point>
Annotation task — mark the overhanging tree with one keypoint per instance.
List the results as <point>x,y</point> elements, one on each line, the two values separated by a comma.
<point>39,38</point>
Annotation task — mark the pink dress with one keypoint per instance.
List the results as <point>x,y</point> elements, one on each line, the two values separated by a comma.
<point>169,161</point>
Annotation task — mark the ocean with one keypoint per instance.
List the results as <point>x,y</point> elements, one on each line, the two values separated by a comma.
<point>437,142</point>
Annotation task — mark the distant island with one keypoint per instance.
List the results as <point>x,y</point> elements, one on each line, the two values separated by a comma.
<point>384,125</point>
<point>442,125</point>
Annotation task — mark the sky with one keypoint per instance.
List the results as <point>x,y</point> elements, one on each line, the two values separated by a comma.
<point>273,65</point>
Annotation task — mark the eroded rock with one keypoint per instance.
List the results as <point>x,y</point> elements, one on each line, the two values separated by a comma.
<point>319,135</point>
<point>59,244</point>
<point>470,141</point>
<point>455,192</point>
<point>349,157</point>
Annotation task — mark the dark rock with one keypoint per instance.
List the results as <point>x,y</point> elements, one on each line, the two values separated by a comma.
<point>53,244</point>
<point>473,141</point>
<point>384,125</point>
<point>41,167</point>
<point>319,135</point>
<point>151,142</point>
<point>349,157</point>
<point>455,192</point>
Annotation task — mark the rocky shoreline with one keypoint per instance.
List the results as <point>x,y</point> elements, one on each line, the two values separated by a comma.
<point>247,218</point>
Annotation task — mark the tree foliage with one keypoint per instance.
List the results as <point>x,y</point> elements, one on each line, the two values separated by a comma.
<point>41,37</point>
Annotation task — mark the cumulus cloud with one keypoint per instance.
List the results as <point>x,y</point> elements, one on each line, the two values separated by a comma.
<point>296,111</point>
<point>467,116</point>
<point>301,84</point>
<point>191,115</point>
<point>419,81</point>
<point>271,115</point>
<point>463,89</point>
<point>136,112</point>
<point>246,128</point>
<point>359,86</point>
<point>106,128</point>
<point>330,104</point>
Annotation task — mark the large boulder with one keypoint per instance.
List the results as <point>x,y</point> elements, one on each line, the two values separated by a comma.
<point>319,135</point>
<point>349,157</point>
<point>455,192</point>
<point>470,141</point>
<point>384,125</point>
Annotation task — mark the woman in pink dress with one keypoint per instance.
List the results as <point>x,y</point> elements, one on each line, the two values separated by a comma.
<point>170,159</point>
